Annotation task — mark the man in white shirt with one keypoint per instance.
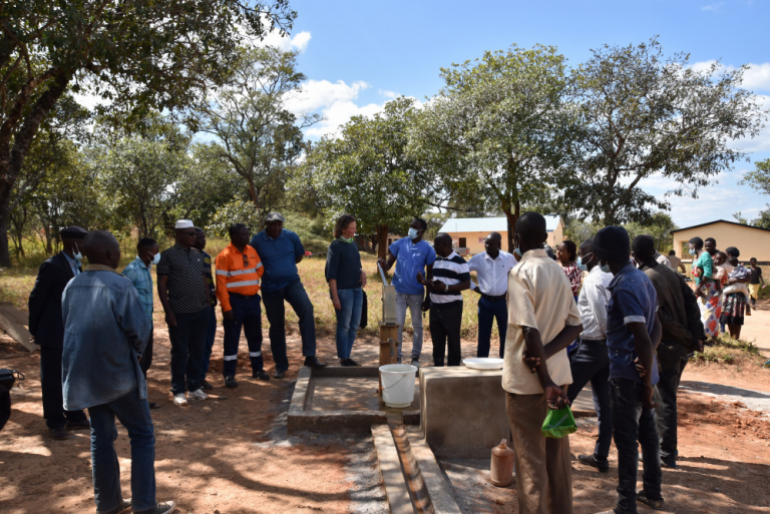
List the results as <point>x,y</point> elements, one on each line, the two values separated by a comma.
<point>492,269</point>
<point>590,361</point>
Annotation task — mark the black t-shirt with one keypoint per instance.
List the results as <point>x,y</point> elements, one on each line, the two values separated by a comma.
<point>755,274</point>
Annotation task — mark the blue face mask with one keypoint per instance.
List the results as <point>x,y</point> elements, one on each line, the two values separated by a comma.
<point>156,258</point>
<point>517,252</point>
<point>605,268</point>
<point>693,252</point>
<point>412,233</point>
<point>580,264</point>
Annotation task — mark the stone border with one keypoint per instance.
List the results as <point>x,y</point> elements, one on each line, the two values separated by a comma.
<point>300,419</point>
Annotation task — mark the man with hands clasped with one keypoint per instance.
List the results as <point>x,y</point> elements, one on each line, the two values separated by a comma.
<point>633,334</point>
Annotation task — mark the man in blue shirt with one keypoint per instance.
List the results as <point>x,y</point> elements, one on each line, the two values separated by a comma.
<point>280,251</point>
<point>138,272</point>
<point>633,334</point>
<point>106,328</point>
<point>413,255</point>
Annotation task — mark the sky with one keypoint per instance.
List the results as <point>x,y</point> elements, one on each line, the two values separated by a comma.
<point>358,55</point>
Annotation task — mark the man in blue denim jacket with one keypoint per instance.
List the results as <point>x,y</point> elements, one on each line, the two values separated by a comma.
<point>105,330</point>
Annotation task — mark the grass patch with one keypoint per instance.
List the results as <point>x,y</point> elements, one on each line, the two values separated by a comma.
<point>727,350</point>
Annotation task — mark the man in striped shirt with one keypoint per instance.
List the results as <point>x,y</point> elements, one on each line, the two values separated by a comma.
<point>450,276</point>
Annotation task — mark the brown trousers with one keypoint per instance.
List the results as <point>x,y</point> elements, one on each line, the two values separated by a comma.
<point>543,464</point>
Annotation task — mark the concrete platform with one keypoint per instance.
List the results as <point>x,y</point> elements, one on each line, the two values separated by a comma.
<point>462,411</point>
<point>337,399</point>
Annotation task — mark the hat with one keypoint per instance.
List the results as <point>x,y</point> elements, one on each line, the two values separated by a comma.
<point>183,224</point>
<point>612,244</point>
<point>274,216</point>
<point>73,232</point>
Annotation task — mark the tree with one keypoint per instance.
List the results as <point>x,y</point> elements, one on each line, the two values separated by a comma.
<point>257,136</point>
<point>759,180</point>
<point>368,172</point>
<point>496,127</point>
<point>642,114</point>
<point>659,226</point>
<point>137,53</point>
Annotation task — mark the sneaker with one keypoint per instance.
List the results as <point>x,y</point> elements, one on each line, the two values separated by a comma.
<point>230,382</point>
<point>59,434</point>
<point>416,363</point>
<point>590,460</point>
<point>78,425</point>
<point>199,395</point>
<point>279,374</point>
<point>180,399</point>
<point>668,462</point>
<point>261,375</point>
<point>351,362</point>
<point>161,508</point>
<point>345,363</point>
<point>206,386</point>
<point>124,507</point>
<point>154,405</point>
<point>313,362</point>
<point>653,504</point>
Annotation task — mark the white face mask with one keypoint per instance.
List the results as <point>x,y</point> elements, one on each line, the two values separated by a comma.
<point>412,233</point>
<point>605,267</point>
<point>156,258</point>
<point>76,253</point>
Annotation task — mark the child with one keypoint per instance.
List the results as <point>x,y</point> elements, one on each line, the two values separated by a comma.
<point>757,281</point>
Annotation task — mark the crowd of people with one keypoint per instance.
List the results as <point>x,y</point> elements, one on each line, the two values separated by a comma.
<point>612,312</point>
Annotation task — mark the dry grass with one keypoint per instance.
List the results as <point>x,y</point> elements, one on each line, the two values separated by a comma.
<point>16,284</point>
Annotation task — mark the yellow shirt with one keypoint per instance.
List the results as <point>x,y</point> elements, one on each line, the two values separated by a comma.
<point>540,297</point>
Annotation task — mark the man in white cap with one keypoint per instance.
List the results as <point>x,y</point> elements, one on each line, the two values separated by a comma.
<point>185,296</point>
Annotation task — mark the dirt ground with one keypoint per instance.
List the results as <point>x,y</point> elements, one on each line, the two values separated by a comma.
<point>232,455</point>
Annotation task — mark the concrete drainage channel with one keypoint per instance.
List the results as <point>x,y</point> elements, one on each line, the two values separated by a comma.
<point>413,480</point>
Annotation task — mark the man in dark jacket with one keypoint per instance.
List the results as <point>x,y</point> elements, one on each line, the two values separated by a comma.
<point>682,333</point>
<point>46,325</point>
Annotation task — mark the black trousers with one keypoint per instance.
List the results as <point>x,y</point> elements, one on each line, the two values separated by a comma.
<point>53,399</point>
<point>445,322</point>
<point>145,361</point>
<point>671,366</point>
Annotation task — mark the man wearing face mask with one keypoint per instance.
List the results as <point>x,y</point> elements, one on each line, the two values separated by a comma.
<point>590,361</point>
<point>47,327</point>
<point>414,256</point>
<point>138,272</point>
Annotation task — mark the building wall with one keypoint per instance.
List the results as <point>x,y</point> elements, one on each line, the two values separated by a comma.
<point>474,241</point>
<point>751,242</point>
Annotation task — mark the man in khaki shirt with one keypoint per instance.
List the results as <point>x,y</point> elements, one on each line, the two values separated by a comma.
<point>543,320</point>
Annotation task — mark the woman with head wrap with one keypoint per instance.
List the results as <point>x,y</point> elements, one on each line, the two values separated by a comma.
<point>736,294</point>
<point>708,289</point>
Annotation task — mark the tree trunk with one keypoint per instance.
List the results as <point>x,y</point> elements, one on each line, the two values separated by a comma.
<point>11,161</point>
<point>511,218</point>
<point>382,241</point>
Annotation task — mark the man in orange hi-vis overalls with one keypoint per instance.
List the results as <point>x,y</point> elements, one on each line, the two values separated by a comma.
<point>239,271</point>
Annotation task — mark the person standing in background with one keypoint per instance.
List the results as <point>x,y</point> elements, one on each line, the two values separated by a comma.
<point>211,330</point>
<point>415,257</point>
<point>756,283</point>
<point>138,272</point>
<point>675,263</point>
<point>47,327</point>
<point>492,269</point>
<point>184,294</point>
<point>346,280</point>
<point>450,277</point>
<point>591,361</point>
<point>238,281</point>
<point>708,289</point>
<point>280,251</point>
<point>566,254</point>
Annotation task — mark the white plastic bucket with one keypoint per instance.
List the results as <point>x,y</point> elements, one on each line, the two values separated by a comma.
<point>398,385</point>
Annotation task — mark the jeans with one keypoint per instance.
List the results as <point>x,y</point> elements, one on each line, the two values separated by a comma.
<point>414,302</point>
<point>295,294</point>
<point>145,361</point>
<point>51,384</point>
<point>445,322</point>
<point>348,319</point>
<point>208,345</point>
<point>187,340</point>
<point>671,365</point>
<point>591,362</point>
<point>134,414</point>
<point>633,423</point>
<point>247,314</point>
<point>488,311</point>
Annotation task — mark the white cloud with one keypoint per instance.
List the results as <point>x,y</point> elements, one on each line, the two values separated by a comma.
<point>714,6</point>
<point>296,43</point>
<point>757,77</point>
<point>389,94</point>
<point>316,94</point>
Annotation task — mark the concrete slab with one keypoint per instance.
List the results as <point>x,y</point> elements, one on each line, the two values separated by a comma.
<point>462,411</point>
<point>337,399</point>
<point>392,475</point>
<point>436,482</point>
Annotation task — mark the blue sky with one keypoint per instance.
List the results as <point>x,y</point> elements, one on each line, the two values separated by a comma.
<point>358,55</point>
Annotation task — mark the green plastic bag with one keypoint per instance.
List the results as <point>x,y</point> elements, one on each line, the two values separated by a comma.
<point>559,423</point>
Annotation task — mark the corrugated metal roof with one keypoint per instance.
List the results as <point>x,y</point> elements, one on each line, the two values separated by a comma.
<point>489,224</point>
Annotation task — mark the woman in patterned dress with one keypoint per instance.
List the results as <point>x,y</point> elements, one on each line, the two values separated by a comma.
<point>708,289</point>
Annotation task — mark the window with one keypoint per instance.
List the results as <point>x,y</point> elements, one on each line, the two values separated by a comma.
<point>462,243</point>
